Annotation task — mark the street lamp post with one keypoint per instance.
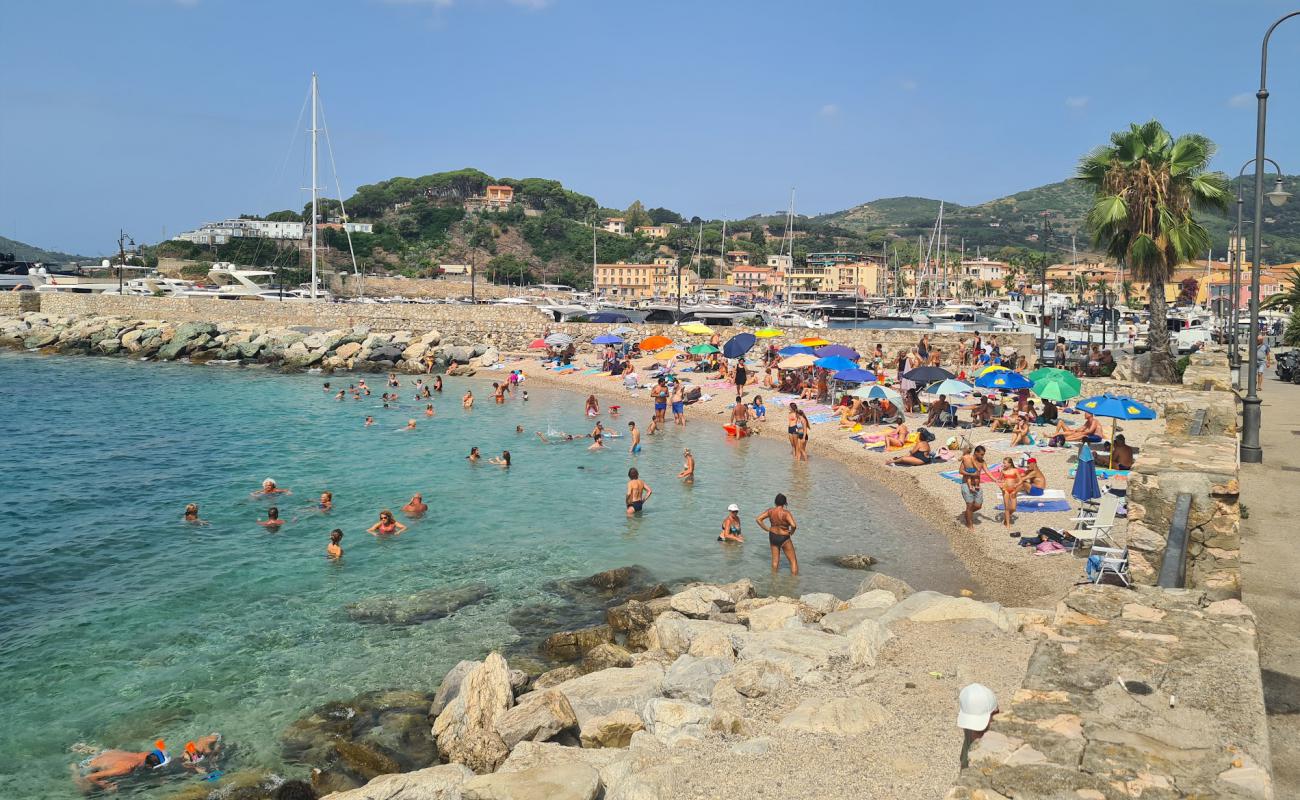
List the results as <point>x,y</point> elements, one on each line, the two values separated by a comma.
<point>1251,452</point>
<point>122,238</point>
<point>1234,286</point>
<point>1042,296</point>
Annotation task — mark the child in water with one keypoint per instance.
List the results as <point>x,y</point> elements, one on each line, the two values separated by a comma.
<point>334,549</point>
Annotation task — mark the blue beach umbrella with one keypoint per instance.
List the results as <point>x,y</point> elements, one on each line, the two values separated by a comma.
<point>1116,407</point>
<point>949,386</point>
<point>1085,477</point>
<point>877,392</point>
<point>795,350</point>
<point>843,351</point>
<point>834,363</point>
<point>855,376</point>
<point>738,345</point>
<point>1003,379</point>
<point>607,338</point>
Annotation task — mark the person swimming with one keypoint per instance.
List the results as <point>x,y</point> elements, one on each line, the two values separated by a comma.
<point>117,764</point>
<point>335,548</point>
<point>272,520</point>
<point>326,503</point>
<point>416,505</point>
<point>387,525</point>
<point>731,525</point>
<point>597,441</point>
<point>637,492</point>
<point>473,455</point>
<point>270,489</point>
<point>192,515</point>
<point>201,753</point>
<point>437,383</point>
<point>370,421</point>
<point>502,461</point>
<point>410,425</point>
<point>428,410</point>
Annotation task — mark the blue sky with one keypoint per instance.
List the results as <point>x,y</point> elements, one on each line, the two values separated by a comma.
<point>162,114</point>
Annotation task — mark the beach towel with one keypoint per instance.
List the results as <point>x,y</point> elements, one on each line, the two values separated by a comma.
<point>955,475</point>
<point>1103,472</point>
<point>1030,505</point>
<point>882,447</point>
<point>818,419</point>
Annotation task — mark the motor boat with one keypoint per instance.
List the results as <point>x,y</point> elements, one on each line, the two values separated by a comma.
<point>789,318</point>
<point>153,286</point>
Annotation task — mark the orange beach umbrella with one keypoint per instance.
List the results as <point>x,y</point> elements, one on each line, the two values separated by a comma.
<point>813,341</point>
<point>655,343</point>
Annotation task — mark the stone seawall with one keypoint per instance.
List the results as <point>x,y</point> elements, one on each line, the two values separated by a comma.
<point>508,328</point>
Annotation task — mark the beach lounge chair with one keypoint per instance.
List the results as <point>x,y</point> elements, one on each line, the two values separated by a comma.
<point>1093,528</point>
<point>1105,561</point>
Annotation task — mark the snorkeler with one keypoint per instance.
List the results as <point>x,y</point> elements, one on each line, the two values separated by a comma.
<point>200,750</point>
<point>192,515</point>
<point>118,764</point>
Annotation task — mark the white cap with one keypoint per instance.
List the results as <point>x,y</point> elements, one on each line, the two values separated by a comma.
<point>977,703</point>
<point>733,507</point>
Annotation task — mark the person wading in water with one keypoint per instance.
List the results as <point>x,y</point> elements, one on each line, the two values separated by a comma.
<point>780,526</point>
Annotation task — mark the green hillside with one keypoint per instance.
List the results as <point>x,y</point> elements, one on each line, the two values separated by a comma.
<point>27,252</point>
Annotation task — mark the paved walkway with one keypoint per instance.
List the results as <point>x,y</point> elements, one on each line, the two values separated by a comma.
<point>1270,550</point>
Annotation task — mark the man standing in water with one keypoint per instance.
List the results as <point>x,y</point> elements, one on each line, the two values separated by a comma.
<point>740,417</point>
<point>660,395</point>
<point>637,492</point>
<point>635,435</point>
<point>780,526</point>
<point>679,403</point>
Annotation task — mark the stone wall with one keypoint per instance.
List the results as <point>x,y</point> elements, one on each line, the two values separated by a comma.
<point>14,303</point>
<point>509,328</point>
<point>433,288</point>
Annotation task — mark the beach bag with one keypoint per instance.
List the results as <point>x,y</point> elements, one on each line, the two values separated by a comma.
<point>925,435</point>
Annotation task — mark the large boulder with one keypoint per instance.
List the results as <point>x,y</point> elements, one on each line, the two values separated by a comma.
<point>821,602</point>
<point>614,729</point>
<point>539,716</point>
<point>692,679</point>
<point>854,561</point>
<point>936,607</point>
<point>489,357</point>
<point>841,622</point>
<point>839,716</point>
<point>600,693</point>
<point>876,580</point>
<point>865,641</point>
<point>771,617</point>
<point>672,721</point>
<point>412,609</point>
<point>560,782</point>
<point>633,619</point>
<point>605,656</point>
<point>701,602</point>
<point>879,600</point>
<point>347,350</point>
<point>758,678</point>
<point>185,333</point>
<point>674,632</point>
<point>800,651</point>
<point>572,645</point>
<point>466,729</point>
<point>450,686</point>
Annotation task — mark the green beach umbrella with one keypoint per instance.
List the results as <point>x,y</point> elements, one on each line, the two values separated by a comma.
<point>1056,389</point>
<point>702,350</point>
<point>1051,372</point>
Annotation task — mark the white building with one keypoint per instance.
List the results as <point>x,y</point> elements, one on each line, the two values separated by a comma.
<point>783,263</point>
<point>224,231</point>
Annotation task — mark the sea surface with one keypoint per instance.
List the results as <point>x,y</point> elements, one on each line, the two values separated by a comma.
<point>120,624</point>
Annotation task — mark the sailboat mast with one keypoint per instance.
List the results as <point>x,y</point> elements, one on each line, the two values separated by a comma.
<point>593,256</point>
<point>314,211</point>
<point>722,267</point>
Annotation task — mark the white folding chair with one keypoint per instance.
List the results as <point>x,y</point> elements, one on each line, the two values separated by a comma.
<point>1114,561</point>
<point>1096,527</point>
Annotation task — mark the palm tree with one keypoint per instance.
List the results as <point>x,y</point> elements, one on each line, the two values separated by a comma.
<point>1147,183</point>
<point>1288,299</point>
<point>1127,289</point>
<point>967,288</point>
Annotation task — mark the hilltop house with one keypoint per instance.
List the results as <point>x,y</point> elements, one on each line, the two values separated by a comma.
<point>616,225</point>
<point>652,231</point>
<point>494,198</point>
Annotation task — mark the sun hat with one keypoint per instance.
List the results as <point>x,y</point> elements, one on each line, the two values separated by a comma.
<point>733,507</point>
<point>976,705</point>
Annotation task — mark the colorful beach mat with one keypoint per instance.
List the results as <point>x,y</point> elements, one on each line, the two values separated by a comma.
<point>1031,504</point>
<point>955,475</point>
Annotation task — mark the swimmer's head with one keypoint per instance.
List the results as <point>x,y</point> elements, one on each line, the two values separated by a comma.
<point>154,759</point>
<point>336,536</point>
<point>268,484</point>
<point>273,513</point>
<point>326,495</point>
<point>633,474</point>
<point>192,509</point>
<point>386,515</point>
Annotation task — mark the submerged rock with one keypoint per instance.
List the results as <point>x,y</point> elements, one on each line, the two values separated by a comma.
<point>371,734</point>
<point>854,561</point>
<point>412,609</point>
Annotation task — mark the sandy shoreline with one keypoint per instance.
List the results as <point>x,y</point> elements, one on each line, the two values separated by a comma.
<point>1004,572</point>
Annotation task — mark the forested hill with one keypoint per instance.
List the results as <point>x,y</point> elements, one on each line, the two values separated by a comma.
<point>28,252</point>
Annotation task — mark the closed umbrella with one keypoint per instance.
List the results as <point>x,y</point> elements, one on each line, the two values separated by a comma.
<point>768,333</point>
<point>837,350</point>
<point>834,363</point>
<point>559,340</point>
<point>927,375</point>
<point>877,392</point>
<point>795,350</point>
<point>697,328</point>
<point>1085,478</point>
<point>1003,379</point>
<point>1116,407</point>
<point>797,361</point>
<point>607,338</point>
<point>702,349</point>
<point>738,345</point>
<point>655,343</point>
<point>855,376</point>
<point>949,386</point>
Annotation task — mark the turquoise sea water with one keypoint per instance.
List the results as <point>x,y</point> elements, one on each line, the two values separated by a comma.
<point>121,624</point>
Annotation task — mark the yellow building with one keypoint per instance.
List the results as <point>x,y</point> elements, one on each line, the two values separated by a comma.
<point>666,282</point>
<point>848,278</point>
<point>629,281</point>
<point>652,231</point>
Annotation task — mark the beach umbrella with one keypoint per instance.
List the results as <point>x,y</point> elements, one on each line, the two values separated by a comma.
<point>837,350</point>
<point>1116,407</point>
<point>537,344</point>
<point>813,341</point>
<point>1058,391</point>
<point>768,333</point>
<point>988,369</point>
<point>834,363</point>
<point>795,350</point>
<point>1003,379</point>
<point>1050,372</point>
<point>668,355</point>
<point>855,376</point>
<point>1085,478</point>
<point>622,330</point>
<point>605,317</point>
<point>949,386</point>
<point>655,343</point>
<point>697,328</point>
<point>877,392</point>
<point>927,374</point>
<point>559,340</point>
<point>607,338</point>
<point>738,345</point>
<point>797,361</point>
<point>702,350</point>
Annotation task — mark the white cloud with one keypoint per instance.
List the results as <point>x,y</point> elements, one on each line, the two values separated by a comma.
<point>829,110</point>
<point>1243,100</point>
<point>908,85</point>
<point>1076,102</point>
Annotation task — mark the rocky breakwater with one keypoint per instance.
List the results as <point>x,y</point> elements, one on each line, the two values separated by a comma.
<point>714,692</point>
<point>290,348</point>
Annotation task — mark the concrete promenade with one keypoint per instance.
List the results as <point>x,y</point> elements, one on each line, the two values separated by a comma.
<point>1270,550</point>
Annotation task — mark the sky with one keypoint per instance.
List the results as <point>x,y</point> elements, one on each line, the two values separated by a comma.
<point>155,116</point>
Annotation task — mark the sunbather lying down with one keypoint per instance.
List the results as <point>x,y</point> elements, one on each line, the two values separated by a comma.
<point>1090,427</point>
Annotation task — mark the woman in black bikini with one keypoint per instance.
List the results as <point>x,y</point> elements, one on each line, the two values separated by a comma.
<point>918,457</point>
<point>780,526</point>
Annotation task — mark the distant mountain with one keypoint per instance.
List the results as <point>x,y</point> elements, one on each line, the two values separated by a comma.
<point>27,252</point>
<point>1015,220</point>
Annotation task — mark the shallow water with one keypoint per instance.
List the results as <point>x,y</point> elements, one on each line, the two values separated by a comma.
<point>121,624</point>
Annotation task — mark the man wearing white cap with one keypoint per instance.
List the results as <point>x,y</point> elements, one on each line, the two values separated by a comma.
<point>976,706</point>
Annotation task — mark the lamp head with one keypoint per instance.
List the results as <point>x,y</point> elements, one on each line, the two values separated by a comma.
<point>1279,195</point>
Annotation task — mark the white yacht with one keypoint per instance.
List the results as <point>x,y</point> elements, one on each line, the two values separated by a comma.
<point>92,280</point>
<point>153,286</point>
<point>232,283</point>
<point>789,318</point>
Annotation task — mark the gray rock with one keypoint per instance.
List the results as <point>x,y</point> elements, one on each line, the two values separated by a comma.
<point>563,782</point>
<point>185,333</point>
<point>600,693</point>
<point>698,602</point>
<point>538,717</point>
<point>759,678</point>
<point>865,641</point>
<point>386,353</point>
<point>692,679</point>
<point>466,729</point>
<point>419,607</point>
<point>876,580</point>
<point>821,602</point>
<point>841,622</point>
<point>442,782</point>
<point>605,656</point>
<point>672,721</point>
<point>614,729</point>
<point>450,686</point>
<point>798,650</point>
<point>854,561</point>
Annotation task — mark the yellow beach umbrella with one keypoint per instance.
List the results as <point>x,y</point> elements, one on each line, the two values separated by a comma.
<point>989,369</point>
<point>813,341</point>
<point>697,328</point>
<point>768,333</point>
<point>667,355</point>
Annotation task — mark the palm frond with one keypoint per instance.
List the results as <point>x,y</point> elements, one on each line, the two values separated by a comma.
<point>1211,190</point>
<point>1190,153</point>
<point>1092,167</point>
